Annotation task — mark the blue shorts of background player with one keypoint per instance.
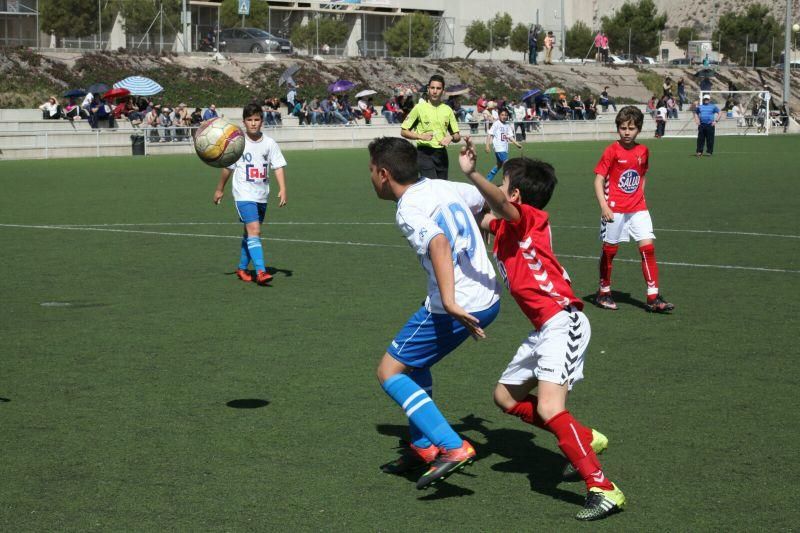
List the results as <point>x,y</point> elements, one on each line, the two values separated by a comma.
<point>501,158</point>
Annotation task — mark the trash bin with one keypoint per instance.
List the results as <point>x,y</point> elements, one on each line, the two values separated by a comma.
<point>137,144</point>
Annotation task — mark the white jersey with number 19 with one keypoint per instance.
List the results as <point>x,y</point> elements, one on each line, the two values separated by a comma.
<point>251,171</point>
<point>432,207</point>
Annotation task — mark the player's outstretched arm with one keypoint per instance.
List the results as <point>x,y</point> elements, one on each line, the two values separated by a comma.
<point>496,199</point>
<point>599,190</point>
<point>280,177</point>
<point>223,180</point>
<point>442,262</point>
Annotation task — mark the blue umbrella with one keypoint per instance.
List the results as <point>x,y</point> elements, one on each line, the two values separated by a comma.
<point>531,93</point>
<point>340,86</point>
<point>139,85</point>
<point>74,93</point>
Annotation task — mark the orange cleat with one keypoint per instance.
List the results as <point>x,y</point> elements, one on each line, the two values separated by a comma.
<point>243,274</point>
<point>262,278</point>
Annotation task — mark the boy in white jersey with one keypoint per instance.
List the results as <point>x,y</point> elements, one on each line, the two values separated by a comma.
<point>500,134</point>
<point>437,218</point>
<point>251,190</point>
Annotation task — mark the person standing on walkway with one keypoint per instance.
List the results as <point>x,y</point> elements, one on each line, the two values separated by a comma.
<point>533,44</point>
<point>549,43</point>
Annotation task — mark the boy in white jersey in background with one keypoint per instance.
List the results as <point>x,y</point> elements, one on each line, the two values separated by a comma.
<point>437,218</point>
<point>500,134</point>
<point>251,190</point>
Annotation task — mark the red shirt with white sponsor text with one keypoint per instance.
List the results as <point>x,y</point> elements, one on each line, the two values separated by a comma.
<point>525,258</point>
<point>624,170</point>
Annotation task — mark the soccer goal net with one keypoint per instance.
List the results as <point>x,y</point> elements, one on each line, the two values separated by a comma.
<point>744,112</point>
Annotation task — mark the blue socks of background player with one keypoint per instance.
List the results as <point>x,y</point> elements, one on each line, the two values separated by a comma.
<point>244,258</point>
<point>423,378</point>
<point>490,175</point>
<point>256,253</point>
<point>421,411</point>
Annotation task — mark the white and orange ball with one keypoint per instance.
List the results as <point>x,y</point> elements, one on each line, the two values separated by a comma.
<point>219,142</point>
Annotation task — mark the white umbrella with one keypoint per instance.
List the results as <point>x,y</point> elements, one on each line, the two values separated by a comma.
<point>139,85</point>
<point>366,92</point>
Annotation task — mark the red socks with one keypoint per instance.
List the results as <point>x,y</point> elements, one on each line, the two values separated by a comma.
<point>526,411</point>
<point>575,442</point>
<point>650,270</point>
<point>609,251</point>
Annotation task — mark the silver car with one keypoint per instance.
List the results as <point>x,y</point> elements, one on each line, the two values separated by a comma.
<point>253,40</point>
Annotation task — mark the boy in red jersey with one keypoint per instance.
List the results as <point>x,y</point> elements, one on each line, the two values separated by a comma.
<point>619,186</point>
<point>552,356</point>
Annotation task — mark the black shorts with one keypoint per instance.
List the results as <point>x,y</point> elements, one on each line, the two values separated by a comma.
<point>433,162</point>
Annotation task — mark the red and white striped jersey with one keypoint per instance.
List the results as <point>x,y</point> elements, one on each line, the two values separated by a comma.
<point>526,261</point>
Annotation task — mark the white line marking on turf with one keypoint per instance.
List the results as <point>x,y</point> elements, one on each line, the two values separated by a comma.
<point>556,226</point>
<point>372,245</point>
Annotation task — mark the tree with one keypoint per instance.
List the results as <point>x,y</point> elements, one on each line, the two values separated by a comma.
<point>644,23</point>
<point>519,39</point>
<point>73,18</point>
<point>579,40</point>
<point>139,14</point>
<point>258,17</point>
<point>757,26</point>
<point>684,36</point>
<point>421,34</point>
<point>486,36</point>
<point>331,32</point>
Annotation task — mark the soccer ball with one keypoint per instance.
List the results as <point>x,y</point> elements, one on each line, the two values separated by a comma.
<point>219,142</point>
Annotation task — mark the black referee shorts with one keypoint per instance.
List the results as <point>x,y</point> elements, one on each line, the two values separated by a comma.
<point>432,162</point>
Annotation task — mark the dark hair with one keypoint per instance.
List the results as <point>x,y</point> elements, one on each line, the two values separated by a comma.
<point>252,109</point>
<point>535,180</point>
<point>396,155</point>
<point>630,114</point>
<point>437,77</point>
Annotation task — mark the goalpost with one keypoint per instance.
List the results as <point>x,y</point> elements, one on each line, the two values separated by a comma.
<point>741,113</point>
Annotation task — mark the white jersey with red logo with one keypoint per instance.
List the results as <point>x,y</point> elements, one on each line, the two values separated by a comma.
<point>501,134</point>
<point>525,258</point>
<point>624,170</point>
<point>251,171</point>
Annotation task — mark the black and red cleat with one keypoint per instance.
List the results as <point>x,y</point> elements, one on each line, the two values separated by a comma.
<point>659,305</point>
<point>447,463</point>
<point>411,458</point>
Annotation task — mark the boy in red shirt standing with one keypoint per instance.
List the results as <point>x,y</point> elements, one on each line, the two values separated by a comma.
<point>552,356</point>
<point>619,186</point>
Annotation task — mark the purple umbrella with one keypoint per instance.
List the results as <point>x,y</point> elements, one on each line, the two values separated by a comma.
<point>340,86</point>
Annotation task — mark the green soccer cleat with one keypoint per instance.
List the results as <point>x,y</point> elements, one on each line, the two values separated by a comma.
<point>446,463</point>
<point>599,445</point>
<point>411,458</point>
<point>601,503</point>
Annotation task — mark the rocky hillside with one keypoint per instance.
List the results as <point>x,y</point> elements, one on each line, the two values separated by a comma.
<point>27,78</point>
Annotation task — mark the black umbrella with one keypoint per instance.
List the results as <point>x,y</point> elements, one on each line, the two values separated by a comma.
<point>705,73</point>
<point>98,88</point>
<point>74,93</point>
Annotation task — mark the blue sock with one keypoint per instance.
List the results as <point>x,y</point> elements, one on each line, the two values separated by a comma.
<point>256,253</point>
<point>423,378</point>
<point>421,411</point>
<point>490,175</point>
<point>244,258</point>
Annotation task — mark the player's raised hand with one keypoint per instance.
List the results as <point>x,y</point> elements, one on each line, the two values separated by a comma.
<point>467,157</point>
<point>218,197</point>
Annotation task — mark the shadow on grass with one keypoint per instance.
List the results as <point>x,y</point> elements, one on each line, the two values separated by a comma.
<point>620,298</point>
<point>247,403</point>
<point>542,466</point>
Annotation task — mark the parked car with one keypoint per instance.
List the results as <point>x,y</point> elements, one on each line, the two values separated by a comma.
<point>645,60</point>
<point>680,61</point>
<point>253,40</point>
<point>618,60</point>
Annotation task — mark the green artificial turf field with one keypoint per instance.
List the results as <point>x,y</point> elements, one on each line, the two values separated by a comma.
<point>145,388</point>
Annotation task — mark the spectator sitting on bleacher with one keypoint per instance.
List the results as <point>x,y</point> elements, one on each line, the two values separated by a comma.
<point>272,114</point>
<point>50,109</point>
<point>151,121</point>
<point>652,106</point>
<point>335,113</point>
<point>165,124</point>
<point>455,104</point>
<point>101,111</point>
<point>315,113</point>
<point>210,113</point>
<point>301,112</point>
<point>578,108</point>
<point>561,109</point>
<point>195,119</point>
<point>363,110</point>
<point>590,108</point>
<point>87,103</point>
<point>390,111</point>
<point>73,111</point>
<point>180,118</point>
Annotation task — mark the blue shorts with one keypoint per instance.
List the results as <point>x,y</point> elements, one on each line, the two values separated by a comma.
<point>427,337</point>
<point>251,211</point>
<point>501,158</point>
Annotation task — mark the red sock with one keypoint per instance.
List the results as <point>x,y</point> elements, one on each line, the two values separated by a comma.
<point>526,411</point>
<point>609,251</point>
<point>575,441</point>
<point>650,270</point>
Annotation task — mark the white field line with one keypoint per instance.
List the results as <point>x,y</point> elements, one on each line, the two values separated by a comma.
<point>146,224</point>
<point>373,245</point>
